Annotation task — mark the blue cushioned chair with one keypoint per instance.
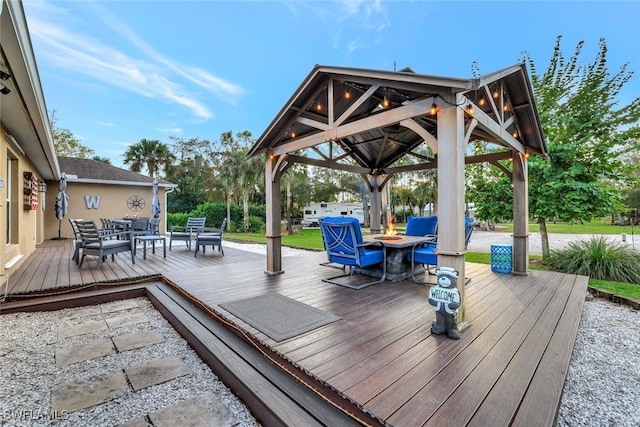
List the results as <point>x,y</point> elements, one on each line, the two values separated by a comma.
<point>343,242</point>
<point>468,229</point>
<point>426,254</point>
<point>421,226</point>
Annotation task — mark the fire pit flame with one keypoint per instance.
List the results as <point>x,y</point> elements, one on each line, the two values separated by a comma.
<point>390,232</point>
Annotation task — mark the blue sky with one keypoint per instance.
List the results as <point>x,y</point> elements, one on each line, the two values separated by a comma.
<point>119,71</point>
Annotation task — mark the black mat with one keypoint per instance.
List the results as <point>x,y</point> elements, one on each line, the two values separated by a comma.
<point>277,316</point>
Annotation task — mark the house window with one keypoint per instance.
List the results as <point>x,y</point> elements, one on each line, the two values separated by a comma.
<point>11,203</point>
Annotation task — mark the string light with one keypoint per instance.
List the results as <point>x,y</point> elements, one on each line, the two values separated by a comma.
<point>433,110</point>
<point>481,101</point>
<point>470,109</point>
<point>385,102</point>
<point>347,94</point>
<point>318,106</point>
<point>496,94</point>
<point>293,134</point>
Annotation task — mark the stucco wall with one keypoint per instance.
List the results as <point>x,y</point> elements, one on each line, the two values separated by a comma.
<point>27,224</point>
<point>105,201</point>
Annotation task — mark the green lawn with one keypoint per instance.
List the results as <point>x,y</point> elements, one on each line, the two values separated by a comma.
<point>311,239</point>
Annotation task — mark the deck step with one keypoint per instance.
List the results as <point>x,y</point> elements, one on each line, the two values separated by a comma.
<point>273,396</point>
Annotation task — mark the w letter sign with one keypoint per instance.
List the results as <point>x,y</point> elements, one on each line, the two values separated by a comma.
<point>93,202</point>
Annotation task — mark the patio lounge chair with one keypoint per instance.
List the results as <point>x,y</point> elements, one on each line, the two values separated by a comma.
<point>422,226</point>
<point>77,240</point>
<point>212,237</point>
<point>426,254</point>
<point>343,242</point>
<point>154,226</point>
<point>98,244</point>
<point>187,232</point>
<point>469,225</point>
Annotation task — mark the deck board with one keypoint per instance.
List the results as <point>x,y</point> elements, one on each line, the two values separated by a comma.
<point>508,367</point>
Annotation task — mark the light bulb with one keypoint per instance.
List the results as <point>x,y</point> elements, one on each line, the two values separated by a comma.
<point>385,102</point>
<point>470,109</point>
<point>433,110</point>
<point>481,101</point>
<point>347,94</point>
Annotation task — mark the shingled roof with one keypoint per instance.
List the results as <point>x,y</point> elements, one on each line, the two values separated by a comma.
<point>89,170</point>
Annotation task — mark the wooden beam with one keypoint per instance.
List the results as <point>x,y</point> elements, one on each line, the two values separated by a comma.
<point>429,139</point>
<point>356,104</point>
<point>313,123</point>
<point>327,164</point>
<point>384,118</point>
<point>498,131</point>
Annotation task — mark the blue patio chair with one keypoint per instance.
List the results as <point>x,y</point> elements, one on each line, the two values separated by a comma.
<point>343,242</point>
<point>422,226</point>
<point>426,254</point>
<point>469,225</point>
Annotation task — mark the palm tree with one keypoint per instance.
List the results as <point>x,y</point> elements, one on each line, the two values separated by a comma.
<point>151,154</point>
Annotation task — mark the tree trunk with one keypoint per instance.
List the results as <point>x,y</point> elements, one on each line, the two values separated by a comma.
<point>245,206</point>
<point>544,238</point>
<point>229,210</point>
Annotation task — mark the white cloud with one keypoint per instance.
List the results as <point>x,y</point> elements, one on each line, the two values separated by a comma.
<point>152,75</point>
<point>354,24</point>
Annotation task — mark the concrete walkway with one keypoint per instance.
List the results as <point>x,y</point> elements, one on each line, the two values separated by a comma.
<point>481,241</point>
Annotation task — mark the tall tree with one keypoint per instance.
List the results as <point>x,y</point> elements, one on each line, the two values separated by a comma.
<point>587,132</point>
<point>65,142</point>
<point>238,172</point>
<point>150,154</point>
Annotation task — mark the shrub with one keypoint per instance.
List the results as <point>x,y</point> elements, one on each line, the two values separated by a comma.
<point>256,224</point>
<point>599,258</point>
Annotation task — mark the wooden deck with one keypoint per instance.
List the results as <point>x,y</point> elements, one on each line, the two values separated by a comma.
<point>508,367</point>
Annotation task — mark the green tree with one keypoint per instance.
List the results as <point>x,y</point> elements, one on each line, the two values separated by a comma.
<point>150,154</point>
<point>102,159</point>
<point>65,142</point>
<point>238,172</point>
<point>587,134</point>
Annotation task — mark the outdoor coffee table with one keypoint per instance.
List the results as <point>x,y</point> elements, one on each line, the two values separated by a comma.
<point>153,240</point>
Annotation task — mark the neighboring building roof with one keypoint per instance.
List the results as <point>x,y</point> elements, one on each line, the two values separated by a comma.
<point>93,171</point>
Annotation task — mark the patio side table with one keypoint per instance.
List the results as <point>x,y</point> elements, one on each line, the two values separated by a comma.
<point>153,239</point>
<point>501,258</point>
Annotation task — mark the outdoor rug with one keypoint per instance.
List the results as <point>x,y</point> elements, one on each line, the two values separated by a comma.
<point>277,316</point>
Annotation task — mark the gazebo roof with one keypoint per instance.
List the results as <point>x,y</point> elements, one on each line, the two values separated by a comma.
<point>364,121</point>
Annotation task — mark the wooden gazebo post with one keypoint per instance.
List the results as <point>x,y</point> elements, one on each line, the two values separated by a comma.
<point>520,180</point>
<point>375,182</point>
<point>451,191</point>
<point>274,232</point>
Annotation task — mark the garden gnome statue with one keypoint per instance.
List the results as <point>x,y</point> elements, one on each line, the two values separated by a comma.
<point>445,297</point>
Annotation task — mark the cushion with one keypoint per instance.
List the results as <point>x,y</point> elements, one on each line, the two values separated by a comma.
<point>421,225</point>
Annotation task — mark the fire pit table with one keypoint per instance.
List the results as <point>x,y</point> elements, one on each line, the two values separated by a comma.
<point>397,247</point>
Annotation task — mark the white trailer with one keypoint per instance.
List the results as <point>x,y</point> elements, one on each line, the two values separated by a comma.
<point>315,211</point>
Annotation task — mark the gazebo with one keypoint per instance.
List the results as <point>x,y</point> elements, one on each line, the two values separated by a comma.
<point>363,121</point>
